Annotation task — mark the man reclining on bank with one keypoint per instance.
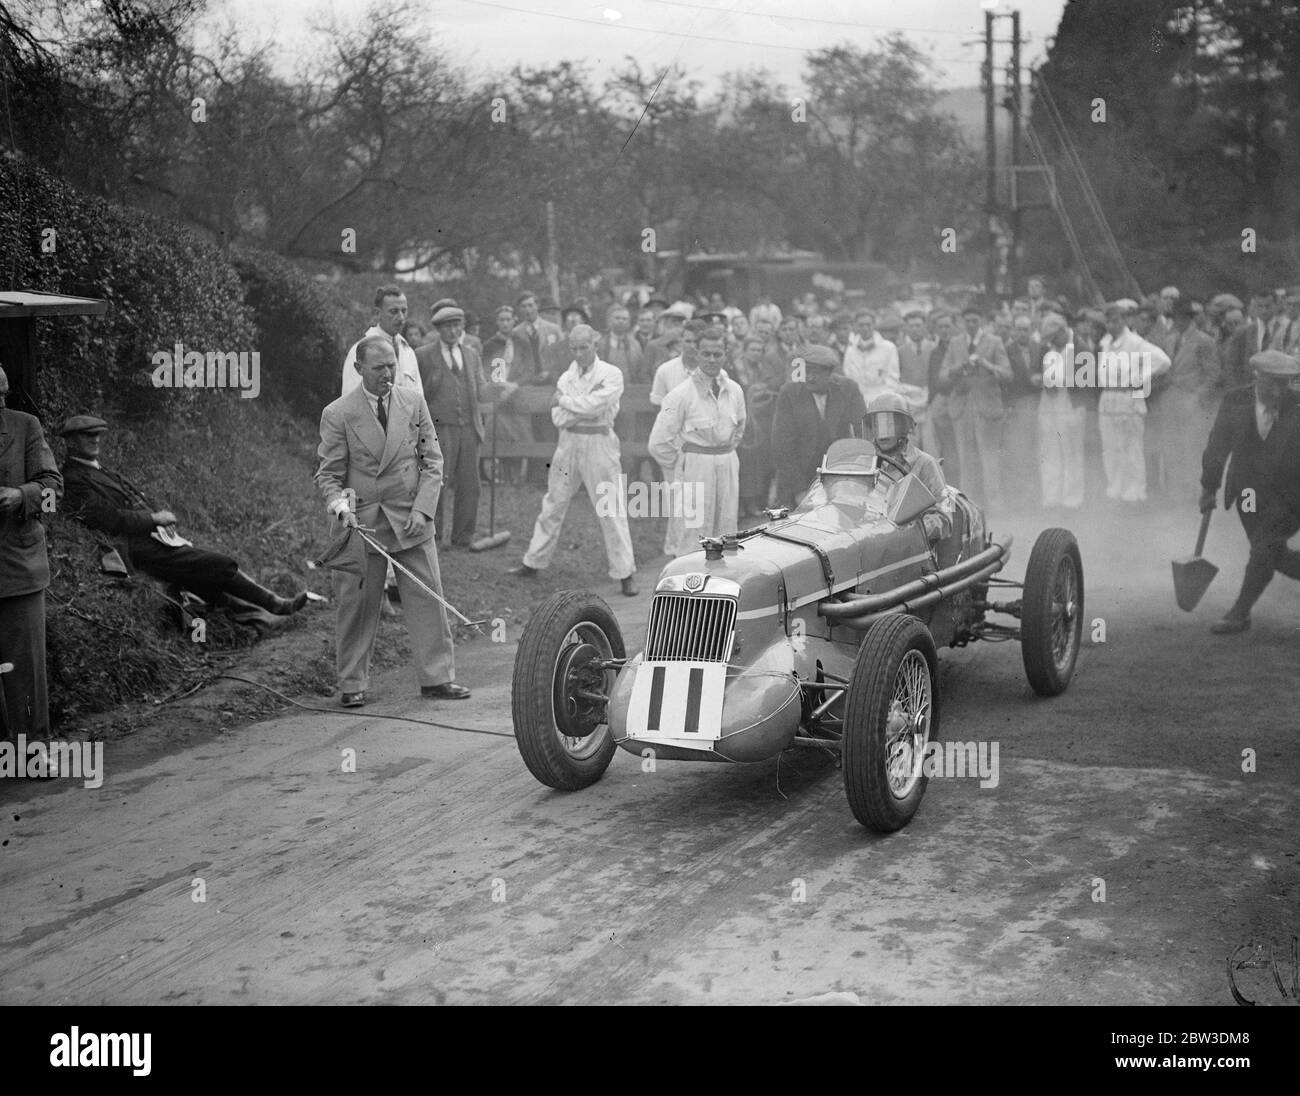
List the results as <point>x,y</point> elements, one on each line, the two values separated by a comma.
<point>146,535</point>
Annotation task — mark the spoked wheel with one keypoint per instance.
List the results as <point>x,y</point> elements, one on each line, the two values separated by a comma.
<point>890,715</point>
<point>1051,612</point>
<point>561,688</point>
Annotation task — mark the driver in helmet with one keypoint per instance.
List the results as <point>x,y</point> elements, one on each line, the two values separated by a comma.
<point>889,425</point>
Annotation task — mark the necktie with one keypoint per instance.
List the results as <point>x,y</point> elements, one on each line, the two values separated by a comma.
<point>382,411</point>
<point>717,389</point>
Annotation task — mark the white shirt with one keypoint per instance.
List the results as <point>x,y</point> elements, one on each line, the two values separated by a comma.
<point>667,377</point>
<point>408,369</point>
<point>873,367</point>
<point>590,398</point>
<point>692,414</point>
<point>1265,417</point>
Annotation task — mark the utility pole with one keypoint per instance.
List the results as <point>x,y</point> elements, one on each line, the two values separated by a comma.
<point>1013,256</point>
<point>991,154</point>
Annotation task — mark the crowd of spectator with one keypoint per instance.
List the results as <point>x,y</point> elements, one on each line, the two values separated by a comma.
<point>973,379</point>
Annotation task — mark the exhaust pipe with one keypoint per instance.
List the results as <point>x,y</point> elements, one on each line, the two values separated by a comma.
<point>925,590</point>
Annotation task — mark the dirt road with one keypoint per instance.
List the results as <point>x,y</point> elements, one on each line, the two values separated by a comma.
<point>441,872</point>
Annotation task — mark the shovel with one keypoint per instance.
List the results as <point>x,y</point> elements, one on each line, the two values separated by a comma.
<point>1192,577</point>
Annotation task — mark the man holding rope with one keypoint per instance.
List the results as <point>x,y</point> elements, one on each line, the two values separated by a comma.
<point>378,446</point>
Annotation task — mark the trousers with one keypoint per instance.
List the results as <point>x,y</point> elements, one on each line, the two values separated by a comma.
<point>23,689</point>
<point>591,461</point>
<point>459,446</point>
<point>709,499</point>
<point>358,597</point>
<point>1060,450</point>
<point>1268,530</point>
<point>1123,451</point>
<point>979,446</point>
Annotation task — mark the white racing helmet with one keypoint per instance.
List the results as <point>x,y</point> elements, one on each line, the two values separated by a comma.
<point>888,417</point>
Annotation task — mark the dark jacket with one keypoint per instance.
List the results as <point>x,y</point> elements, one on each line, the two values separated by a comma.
<point>1271,467</point>
<point>800,436</point>
<point>110,503</point>
<point>27,464</point>
<point>441,388</point>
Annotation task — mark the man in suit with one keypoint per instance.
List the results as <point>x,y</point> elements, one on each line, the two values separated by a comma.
<point>536,335</point>
<point>976,366</point>
<point>30,485</point>
<point>454,385</point>
<point>144,533</point>
<point>378,447</point>
<point>1249,339</point>
<point>810,414</point>
<point>619,347</point>
<point>390,319</point>
<point>1258,427</point>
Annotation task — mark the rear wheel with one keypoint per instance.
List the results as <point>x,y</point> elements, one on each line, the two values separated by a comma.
<point>891,714</point>
<point>560,690</point>
<point>1051,612</point>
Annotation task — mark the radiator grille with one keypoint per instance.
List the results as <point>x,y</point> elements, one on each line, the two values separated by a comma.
<point>690,627</point>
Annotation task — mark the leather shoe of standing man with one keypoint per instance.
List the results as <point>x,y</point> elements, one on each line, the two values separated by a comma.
<point>449,691</point>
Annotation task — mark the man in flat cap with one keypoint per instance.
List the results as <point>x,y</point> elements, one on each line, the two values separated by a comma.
<point>811,413</point>
<point>144,534</point>
<point>1258,427</point>
<point>454,387</point>
<point>30,485</point>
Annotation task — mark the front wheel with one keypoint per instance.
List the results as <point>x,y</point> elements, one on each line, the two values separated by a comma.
<point>561,687</point>
<point>1051,612</point>
<point>891,714</point>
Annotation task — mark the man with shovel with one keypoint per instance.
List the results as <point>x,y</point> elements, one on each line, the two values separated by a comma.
<point>1259,428</point>
<point>378,446</point>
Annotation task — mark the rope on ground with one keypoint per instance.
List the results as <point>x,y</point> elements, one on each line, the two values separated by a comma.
<point>353,713</point>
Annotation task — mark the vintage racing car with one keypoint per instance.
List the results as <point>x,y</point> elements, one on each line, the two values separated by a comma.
<point>819,628</point>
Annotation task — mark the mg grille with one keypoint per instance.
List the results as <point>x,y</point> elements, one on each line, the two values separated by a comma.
<point>690,628</point>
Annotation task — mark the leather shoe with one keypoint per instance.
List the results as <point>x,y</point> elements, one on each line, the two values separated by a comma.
<point>1230,626</point>
<point>353,700</point>
<point>629,586</point>
<point>449,691</point>
<point>523,571</point>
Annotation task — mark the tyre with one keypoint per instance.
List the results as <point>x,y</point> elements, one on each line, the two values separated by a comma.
<point>891,713</point>
<point>1051,612</point>
<point>556,696</point>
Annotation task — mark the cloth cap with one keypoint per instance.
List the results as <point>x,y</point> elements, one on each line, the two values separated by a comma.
<point>820,357</point>
<point>447,314</point>
<point>83,424</point>
<point>1274,363</point>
